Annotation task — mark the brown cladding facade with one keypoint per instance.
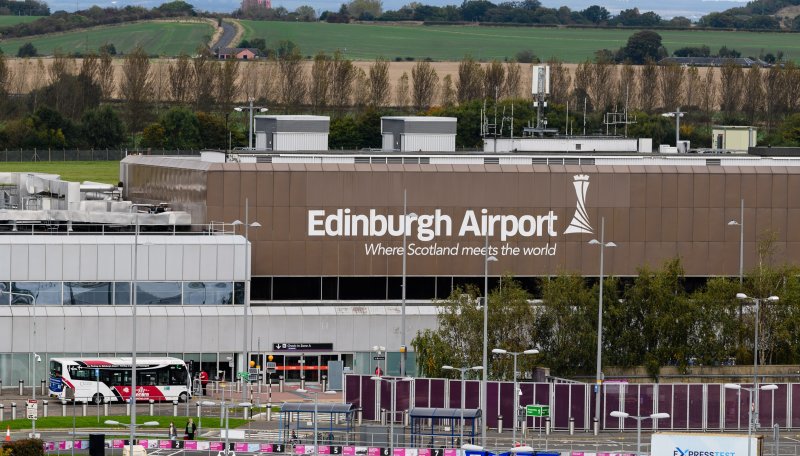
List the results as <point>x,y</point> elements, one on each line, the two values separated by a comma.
<point>652,213</point>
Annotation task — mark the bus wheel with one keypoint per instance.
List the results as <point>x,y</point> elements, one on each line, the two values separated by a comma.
<point>183,397</point>
<point>97,399</point>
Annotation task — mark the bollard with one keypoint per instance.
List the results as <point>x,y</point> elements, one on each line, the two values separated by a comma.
<point>324,383</point>
<point>596,425</point>
<point>85,407</point>
<point>42,390</point>
<point>199,413</point>
<point>21,386</point>
<point>128,407</point>
<point>547,425</point>
<point>499,424</point>
<point>1,387</point>
<point>152,407</point>
<point>406,417</point>
<point>359,416</point>
<point>64,407</point>
<point>280,383</point>
<point>2,412</point>
<point>524,424</point>
<point>105,406</point>
<point>383,417</point>
<point>302,383</point>
<point>246,412</point>
<point>571,425</point>
<point>269,413</point>
<point>13,411</point>
<point>44,404</point>
<point>174,408</point>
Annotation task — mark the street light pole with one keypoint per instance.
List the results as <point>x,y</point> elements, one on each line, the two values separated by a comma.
<point>500,351</point>
<point>316,414</point>
<point>36,358</point>
<point>599,375</point>
<point>246,304</point>
<point>250,108</point>
<point>132,397</point>
<point>752,391</point>
<point>740,224</point>
<point>486,259</point>
<point>403,349</point>
<point>639,419</point>
<point>463,371</point>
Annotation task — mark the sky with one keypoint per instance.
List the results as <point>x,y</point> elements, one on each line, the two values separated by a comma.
<point>692,9</point>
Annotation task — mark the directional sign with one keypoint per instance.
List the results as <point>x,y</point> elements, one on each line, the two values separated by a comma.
<point>31,409</point>
<point>537,410</point>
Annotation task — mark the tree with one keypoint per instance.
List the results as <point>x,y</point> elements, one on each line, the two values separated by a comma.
<point>105,75</point>
<point>291,79</point>
<point>626,87</point>
<point>5,77</point>
<point>596,14</point>
<point>670,84</point>
<point>345,133</point>
<point>228,84</point>
<point>365,9</point>
<point>648,83</point>
<point>102,128</point>
<point>470,80</point>
<point>731,85</point>
<point>775,99</point>
<point>560,82</point>
<point>426,85</point>
<point>641,46</point>
<point>379,86</point>
<point>342,75</point>
<point>153,136</point>
<point>136,86</point>
<point>692,85</point>
<point>401,91</point>
<point>319,85</point>
<point>512,87</point>
<point>205,78</point>
<point>306,13</point>
<point>181,77</point>
<point>754,89</point>
<point>107,48</point>
<point>493,77</point>
<point>27,50</point>
<point>181,129</point>
<point>448,92</point>
<point>213,132</point>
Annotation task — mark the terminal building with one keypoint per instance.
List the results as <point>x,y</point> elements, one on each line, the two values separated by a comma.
<point>322,270</point>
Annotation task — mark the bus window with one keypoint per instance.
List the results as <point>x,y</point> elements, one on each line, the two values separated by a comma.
<point>55,369</point>
<point>80,374</point>
<point>177,375</point>
<point>146,378</point>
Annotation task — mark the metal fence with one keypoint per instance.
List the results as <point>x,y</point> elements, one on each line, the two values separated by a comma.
<point>59,155</point>
<point>692,407</point>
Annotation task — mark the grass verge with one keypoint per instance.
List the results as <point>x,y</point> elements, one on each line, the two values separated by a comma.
<point>83,422</point>
<point>78,171</point>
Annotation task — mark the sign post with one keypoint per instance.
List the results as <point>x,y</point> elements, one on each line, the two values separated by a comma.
<point>538,411</point>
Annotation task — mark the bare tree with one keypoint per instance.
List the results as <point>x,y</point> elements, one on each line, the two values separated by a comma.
<point>228,84</point>
<point>626,87</point>
<point>648,82</point>
<point>692,85</point>
<point>731,85</point>
<point>448,97</point>
<point>342,75</point>
<point>5,78</point>
<point>90,68</point>
<point>775,94</point>
<point>319,85</point>
<point>249,80</point>
<point>601,87</point>
<point>268,74</point>
<point>560,82</point>
<point>136,86</point>
<point>379,86</point>
<point>792,87</point>
<point>583,79</point>
<point>513,82</point>
<point>754,89</point>
<point>494,75</point>
<point>291,80</point>
<point>105,75</point>
<point>204,78</point>
<point>360,97</point>
<point>426,84</point>
<point>181,79</point>
<point>708,94</point>
<point>160,83</point>
<point>61,65</point>
<point>470,80</point>
<point>401,91</point>
<point>670,78</point>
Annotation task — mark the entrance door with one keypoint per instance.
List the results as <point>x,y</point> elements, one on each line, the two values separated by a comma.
<point>301,367</point>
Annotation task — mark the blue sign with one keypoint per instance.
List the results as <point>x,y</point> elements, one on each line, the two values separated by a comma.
<point>56,385</point>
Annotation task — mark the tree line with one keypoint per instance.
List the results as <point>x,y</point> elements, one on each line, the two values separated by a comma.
<point>652,320</point>
<point>142,90</point>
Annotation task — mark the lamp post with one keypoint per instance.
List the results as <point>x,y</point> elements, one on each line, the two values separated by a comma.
<point>740,224</point>
<point>486,259</point>
<point>393,400</point>
<point>316,411</point>
<point>378,349</point>
<point>677,114</point>
<point>36,358</point>
<point>754,420</point>
<point>463,371</point>
<point>406,218</point>
<point>639,419</point>
<point>250,123</point>
<point>750,413</point>
<point>599,375</point>
<point>500,351</point>
<point>133,335</point>
<point>246,305</point>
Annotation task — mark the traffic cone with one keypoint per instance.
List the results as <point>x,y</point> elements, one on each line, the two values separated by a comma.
<point>8,433</point>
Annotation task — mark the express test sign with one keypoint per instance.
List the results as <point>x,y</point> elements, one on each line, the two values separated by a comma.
<point>689,444</point>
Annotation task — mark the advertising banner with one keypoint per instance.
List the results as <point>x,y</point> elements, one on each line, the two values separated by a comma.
<point>690,444</point>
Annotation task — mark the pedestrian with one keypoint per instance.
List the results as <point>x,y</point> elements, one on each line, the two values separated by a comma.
<point>173,433</point>
<point>378,370</point>
<point>204,381</point>
<point>191,428</point>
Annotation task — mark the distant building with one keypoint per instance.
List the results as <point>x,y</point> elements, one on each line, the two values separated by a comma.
<point>733,138</point>
<point>238,53</point>
<point>714,61</point>
<point>248,4</point>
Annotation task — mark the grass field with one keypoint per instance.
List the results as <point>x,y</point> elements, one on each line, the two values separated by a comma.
<point>366,41</point>
<point>157,38</point>
<point>65,422</point>
<point>14,20</point>
<point>78,171</point>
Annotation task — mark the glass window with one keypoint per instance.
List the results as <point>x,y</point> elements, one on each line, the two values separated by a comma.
<point>4,294</point>
<point>238,293</point>
<point>45,293</point>
<point>177,375</point>
<point>88,294</point>
<point>159,293</point>
<point>207,293</point>
<point>122,293</point>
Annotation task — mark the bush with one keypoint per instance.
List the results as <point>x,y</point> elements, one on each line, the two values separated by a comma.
<point>25,447</point>
<point>526,56</point>
<point>27,50</point>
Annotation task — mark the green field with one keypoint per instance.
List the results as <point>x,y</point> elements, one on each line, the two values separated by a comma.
<point>14,20</point>
<point>157,38</point>
<point>78,171</point>
<point>366,41</point>
<point>65,422</point>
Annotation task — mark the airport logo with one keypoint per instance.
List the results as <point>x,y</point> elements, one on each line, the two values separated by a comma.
<point>580,221</point>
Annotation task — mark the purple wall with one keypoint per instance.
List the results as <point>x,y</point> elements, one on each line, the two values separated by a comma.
<point>706,406</point>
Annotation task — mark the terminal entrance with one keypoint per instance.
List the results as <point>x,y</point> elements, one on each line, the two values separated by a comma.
<point>303,366</point>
